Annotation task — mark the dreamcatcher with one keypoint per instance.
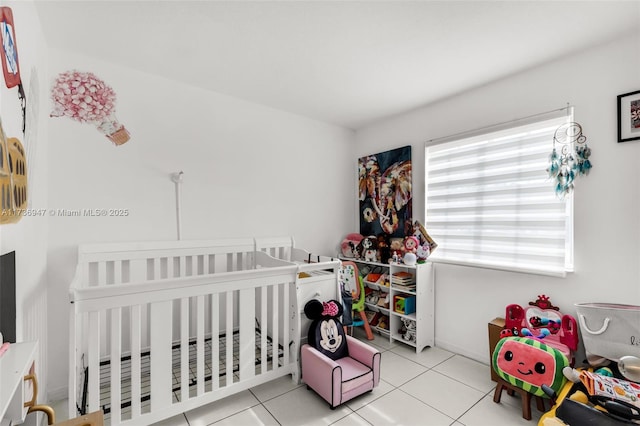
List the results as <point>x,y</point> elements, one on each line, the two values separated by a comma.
<point>569,158</point>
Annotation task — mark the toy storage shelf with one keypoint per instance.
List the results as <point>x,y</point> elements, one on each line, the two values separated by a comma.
<point>402,287</point>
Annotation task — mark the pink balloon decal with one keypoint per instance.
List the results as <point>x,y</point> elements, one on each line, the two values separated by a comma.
<point>84,97</point>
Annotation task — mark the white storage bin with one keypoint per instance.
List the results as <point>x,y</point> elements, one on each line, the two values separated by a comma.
<point>609,331</point>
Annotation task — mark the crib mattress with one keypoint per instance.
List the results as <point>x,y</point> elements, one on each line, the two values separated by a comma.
<point>105,372</point>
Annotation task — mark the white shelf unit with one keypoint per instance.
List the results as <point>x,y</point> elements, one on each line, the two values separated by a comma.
<point>424,315</point>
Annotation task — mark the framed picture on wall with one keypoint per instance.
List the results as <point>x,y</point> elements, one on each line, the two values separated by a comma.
<point>385,194</point>
<point>629,116</point>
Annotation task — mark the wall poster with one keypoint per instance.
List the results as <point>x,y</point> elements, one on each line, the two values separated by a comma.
<point>384,189</point>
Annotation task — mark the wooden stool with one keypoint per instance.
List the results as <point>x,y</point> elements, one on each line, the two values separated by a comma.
<point>525,396</point>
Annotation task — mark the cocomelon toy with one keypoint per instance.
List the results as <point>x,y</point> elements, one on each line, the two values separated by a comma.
<point>529,364</point>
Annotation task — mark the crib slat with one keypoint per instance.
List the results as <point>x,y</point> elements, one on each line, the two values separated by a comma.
<point>229,331</point>
<point>200,346</point>
<point>276,325</point>
<point>161,316</point>
<point>247,334</point>
<point>215,342</point>
<point>205,264</point>
<point>93,361</point>
<point>285,327</point>
<point>263,329</point>
<point>184,349</point>
<point>116,370</point>
<point>136,347</point>
<point>74,338</point>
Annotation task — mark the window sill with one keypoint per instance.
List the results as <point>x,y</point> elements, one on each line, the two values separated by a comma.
<point>522,270</point>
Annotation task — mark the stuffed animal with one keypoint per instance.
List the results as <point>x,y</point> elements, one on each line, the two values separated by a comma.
<point>411,244</point>
<point>528,364</point>
<point>326,333</point>
<point>409,330</point>
<point>349,246</point>
<point>423,252</point>
<point>369,249</point>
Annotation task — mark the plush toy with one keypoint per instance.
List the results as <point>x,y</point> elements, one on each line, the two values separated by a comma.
<point>528,364</point>
<point>411,244</point>
<point>368,249</point>
<point>409,330</point>
<point>422,253</point>
<point>326,333</point>
<point>349,246</point>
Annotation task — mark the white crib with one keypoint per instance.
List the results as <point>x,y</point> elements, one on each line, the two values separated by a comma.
<point>160,328</point>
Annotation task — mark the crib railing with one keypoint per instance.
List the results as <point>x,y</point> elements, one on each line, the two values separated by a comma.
<point>117,263</point>
<point>224,304</point>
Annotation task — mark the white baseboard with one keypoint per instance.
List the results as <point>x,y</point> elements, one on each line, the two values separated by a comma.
<point>464,351</point>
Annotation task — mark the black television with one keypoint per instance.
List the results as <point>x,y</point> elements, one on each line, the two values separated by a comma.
<point>8,296</point>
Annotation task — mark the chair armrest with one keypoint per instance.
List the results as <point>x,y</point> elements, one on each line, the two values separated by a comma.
<point>361,352</point>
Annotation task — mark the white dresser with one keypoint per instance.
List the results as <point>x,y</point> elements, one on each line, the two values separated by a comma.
<point>16,363</point>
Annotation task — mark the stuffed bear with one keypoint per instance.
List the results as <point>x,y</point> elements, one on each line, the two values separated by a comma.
<point>326,333</point>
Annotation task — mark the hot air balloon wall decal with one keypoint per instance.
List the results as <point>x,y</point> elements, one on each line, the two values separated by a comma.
<point>84,97</point>
<point>384,189</point>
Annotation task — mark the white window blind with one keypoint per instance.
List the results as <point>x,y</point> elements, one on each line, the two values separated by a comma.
<point>490,202</point>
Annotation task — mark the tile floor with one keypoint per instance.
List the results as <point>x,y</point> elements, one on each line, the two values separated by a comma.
<point>434,387</point>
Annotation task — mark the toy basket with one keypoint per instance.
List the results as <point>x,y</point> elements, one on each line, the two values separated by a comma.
<point>609,331</point>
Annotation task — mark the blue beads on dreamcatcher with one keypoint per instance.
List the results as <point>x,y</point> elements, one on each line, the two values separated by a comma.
<point>571,161</point>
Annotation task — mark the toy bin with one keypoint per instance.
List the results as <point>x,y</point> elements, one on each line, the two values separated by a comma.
<point>404,304</point>
<point>609,331</point>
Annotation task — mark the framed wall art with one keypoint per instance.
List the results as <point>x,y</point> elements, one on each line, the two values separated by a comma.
<point>384,188</point>
<point>629,116</point>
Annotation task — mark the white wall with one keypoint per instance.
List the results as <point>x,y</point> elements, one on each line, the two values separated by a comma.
<point>249,171</point>
<point>28,236</point>
<point>607,202</point>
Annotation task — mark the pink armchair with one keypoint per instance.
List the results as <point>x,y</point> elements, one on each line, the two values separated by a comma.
<point>340,380</point>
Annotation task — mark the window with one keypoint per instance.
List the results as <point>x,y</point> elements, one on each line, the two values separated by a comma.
<point>490,203</point>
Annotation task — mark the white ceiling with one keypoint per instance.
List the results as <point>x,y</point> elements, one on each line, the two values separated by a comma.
<point>344,62</point>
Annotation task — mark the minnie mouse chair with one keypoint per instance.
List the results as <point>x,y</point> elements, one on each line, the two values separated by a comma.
<point>336,366</point>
